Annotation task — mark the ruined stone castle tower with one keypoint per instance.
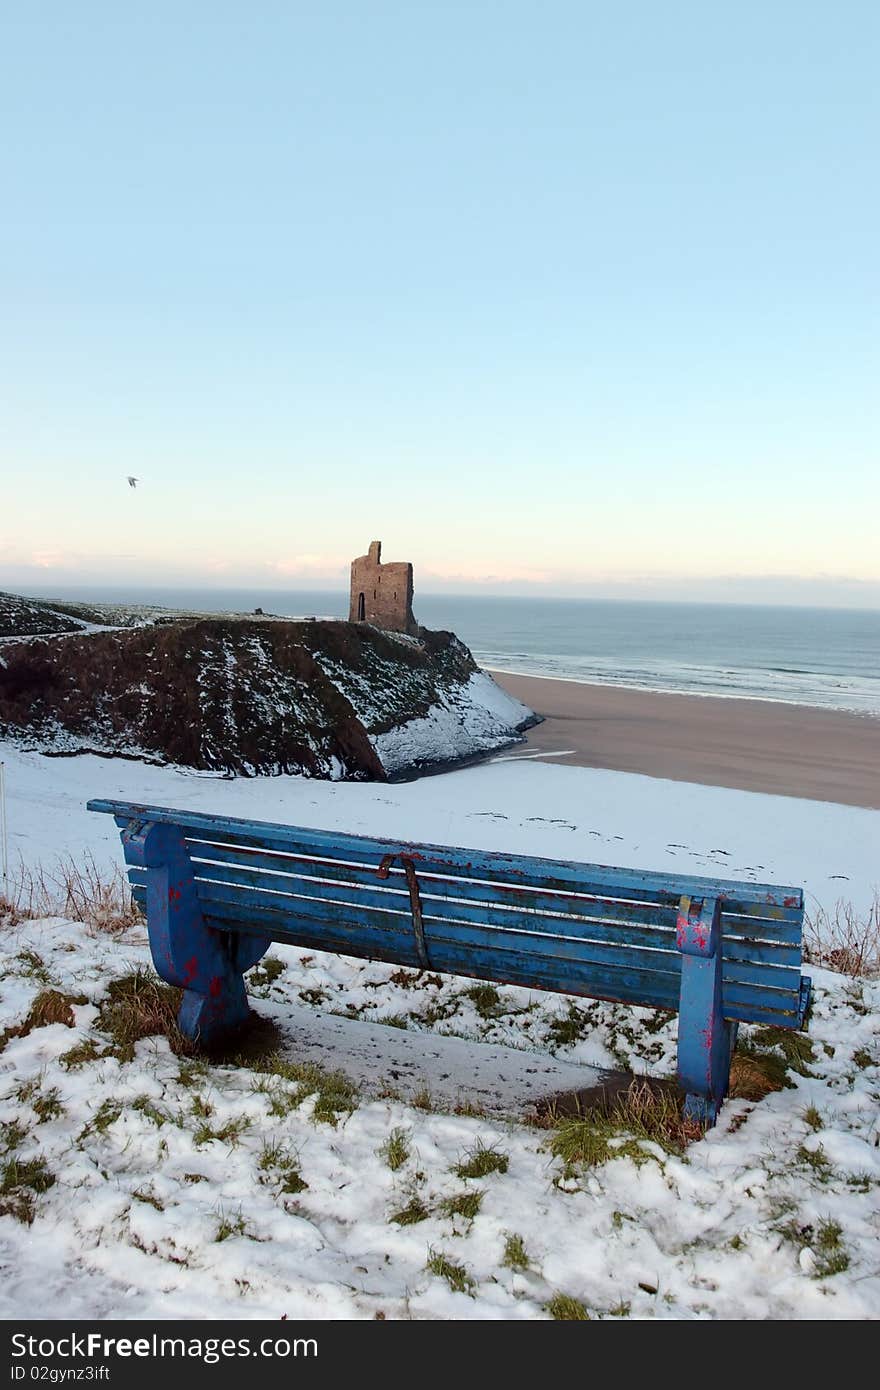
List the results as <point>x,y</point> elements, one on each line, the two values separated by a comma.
<point>382,594</point>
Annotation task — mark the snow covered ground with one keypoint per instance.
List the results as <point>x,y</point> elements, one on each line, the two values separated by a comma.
<point>159,1188</point>
<point>467,720</point>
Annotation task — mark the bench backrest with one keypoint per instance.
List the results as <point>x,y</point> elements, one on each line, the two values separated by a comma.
<point>576,928</point>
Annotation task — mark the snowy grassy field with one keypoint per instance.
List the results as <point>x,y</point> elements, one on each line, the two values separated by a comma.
<point>380,1156</point>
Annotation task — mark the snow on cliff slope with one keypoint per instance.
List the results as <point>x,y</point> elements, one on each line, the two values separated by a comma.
<point>247,696</point>
<point>466,720</point>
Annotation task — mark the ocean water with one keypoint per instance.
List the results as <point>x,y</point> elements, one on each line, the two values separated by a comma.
<point>811,656</point>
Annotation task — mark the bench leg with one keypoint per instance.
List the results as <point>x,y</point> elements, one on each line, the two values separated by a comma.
<point>705,1038</point>
<point>207,965</point>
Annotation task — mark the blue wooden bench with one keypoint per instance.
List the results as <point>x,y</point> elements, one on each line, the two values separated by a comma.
<point>217,891</point>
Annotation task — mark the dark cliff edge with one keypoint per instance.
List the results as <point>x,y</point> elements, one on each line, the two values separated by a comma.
<point>250,696</point>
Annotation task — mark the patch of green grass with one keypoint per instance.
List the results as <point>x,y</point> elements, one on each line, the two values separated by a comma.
<point>201,1107</point>
<point>33,967</point>
<point>47,1105</point>
<point>423,1100</point>
<point>795,1047</point>
<point>395,1150</point>
<point>584,1141</point>
<point>80,1055</point>
<point>481,1160</point>
<point>620,1310</point>
<point>515,1255</point>
<point>469,1109</point>
<point>281,1167</point>
<point>12,1133</point>
<point>456,1275</point>
<point>20,1181</point>
<point>265,973</point>
<point>26,1090</point>
<point>410,1215</point>
<point>230,1133</point>
<point>486,1000</point>
<point>829,1249</point>
<point>465,1204</point>
<point>815,1158</point>
<point>621,1127</point>
<point>191,1071</point>
<point>438,1010</point>
<point>563,1308</point>
<point>334,1093</point>
<point>812,1117</point>
<point>230,1224</point>
<point>53,1006</point>
<point>107,1114</point>
<point>562,1032</point>
<point>863,1058</point>
<point>657,1020</point>
<point>396,1021</point>
<point>313,996</point>
<point>144,1105</point>
<point>826,1242</point>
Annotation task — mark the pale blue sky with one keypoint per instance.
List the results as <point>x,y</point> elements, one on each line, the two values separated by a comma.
<point>551,297</point>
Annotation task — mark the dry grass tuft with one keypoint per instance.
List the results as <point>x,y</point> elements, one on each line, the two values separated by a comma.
<point>51,1006</point>
<point>754,1076</point>
<point>843,941</point>
<point>618,1126</point>
<point>77,889</point>
<point>140,1006</point>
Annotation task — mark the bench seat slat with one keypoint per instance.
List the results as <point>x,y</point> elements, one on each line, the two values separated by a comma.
<point>770,900</point>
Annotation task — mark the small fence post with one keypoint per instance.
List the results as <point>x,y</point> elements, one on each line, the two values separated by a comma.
<point>4,843</point>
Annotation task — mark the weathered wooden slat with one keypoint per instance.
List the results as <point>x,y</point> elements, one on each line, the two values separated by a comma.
<point>453,910</point>
<point>247,900</point>
<point>343,894</point>
<point>519,872</point>
<point>520,898</point>
<point>747,1005</point>
<point>516,967</point>
<point>327,936</point>
<point>774,952</point>
<point>354,919</point>
<point>454,890</point>
<point>762,976</point>
<point>756,964</point>
<point>769,899</point>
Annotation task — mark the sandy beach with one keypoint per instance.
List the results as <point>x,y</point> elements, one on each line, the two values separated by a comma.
<point>755,745</point>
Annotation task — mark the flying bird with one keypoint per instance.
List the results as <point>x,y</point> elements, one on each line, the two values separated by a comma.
<point>133,482</point>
